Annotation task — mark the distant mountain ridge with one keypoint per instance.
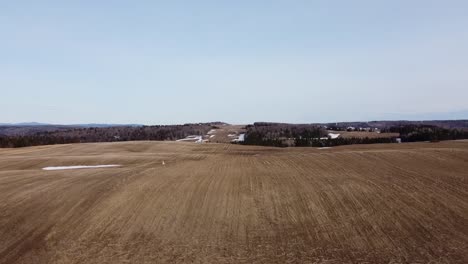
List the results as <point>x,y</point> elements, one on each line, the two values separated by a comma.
<point>29,128</point>
<point>33,128</point>
<point>25,124</point>
<point>71,125</point>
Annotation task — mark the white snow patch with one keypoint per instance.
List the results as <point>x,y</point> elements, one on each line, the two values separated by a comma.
<point>80,167</point>
<point>241,138</point>
<point>333,136</point>
<point>324,148</point>
<point>211,136</point>
<point>232,135</point>
<point>212,131</point>
<point>197,139</point>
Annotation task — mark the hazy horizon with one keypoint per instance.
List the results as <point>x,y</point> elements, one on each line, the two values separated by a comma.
<point>237,62</point>
<point>461,115</point>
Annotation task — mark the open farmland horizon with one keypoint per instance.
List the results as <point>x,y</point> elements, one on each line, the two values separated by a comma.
<point>256,132</point>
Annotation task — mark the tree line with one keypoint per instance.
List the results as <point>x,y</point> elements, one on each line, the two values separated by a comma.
<point>284,135</point>
<point>281,135</point>
<point>105,134</point>
<point>414,133</point>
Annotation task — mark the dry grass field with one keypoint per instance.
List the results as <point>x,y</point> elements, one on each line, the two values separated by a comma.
<point>221,203</point>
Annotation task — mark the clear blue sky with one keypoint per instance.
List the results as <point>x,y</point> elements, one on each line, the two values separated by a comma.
<point>162,62</point>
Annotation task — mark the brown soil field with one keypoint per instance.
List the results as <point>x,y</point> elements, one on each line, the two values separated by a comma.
<point>222,203</point>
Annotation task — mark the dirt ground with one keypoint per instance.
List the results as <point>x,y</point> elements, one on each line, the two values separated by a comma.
<point>222,203</point>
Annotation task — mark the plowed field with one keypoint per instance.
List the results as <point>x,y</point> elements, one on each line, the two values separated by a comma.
<point>221,203</point>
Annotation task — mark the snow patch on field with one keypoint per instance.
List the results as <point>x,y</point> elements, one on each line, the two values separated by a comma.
<point>196,139</point>
<point>324,148</point>
<point>212,131</point>
<point>241,138</point>
<point>211,136</point>
<point>80,167</point>
<point>333,136</point>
